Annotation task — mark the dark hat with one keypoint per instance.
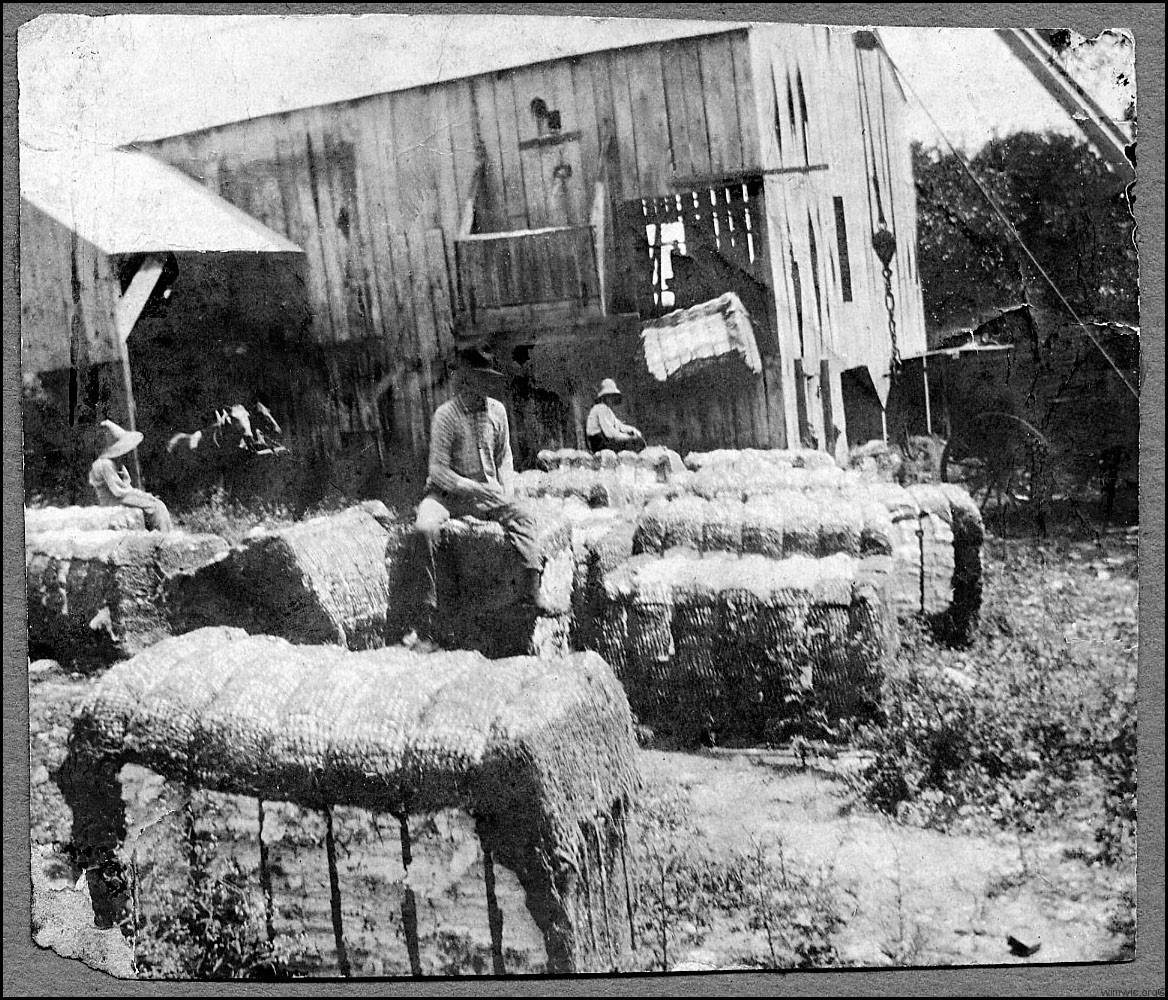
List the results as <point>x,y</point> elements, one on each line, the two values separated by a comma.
<point>475,359</point>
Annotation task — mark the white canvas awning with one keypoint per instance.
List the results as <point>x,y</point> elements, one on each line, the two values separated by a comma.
<point>126,202</point>
<point>688,339</point>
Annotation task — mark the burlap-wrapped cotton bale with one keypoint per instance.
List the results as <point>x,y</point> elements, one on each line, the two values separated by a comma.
<point>800,524</point>
<point>841,524</point>
<point>649,535</point>
<point>663,461</point>
<point>968,538</point>
<point>719,481</point>
<point>745,634</point>
<point>478,567</point>
<point>683,523</point>
<point>37,519</point>
<point>541,753</point>
<point>904,538</point>
<point>722,525</point>
<point>608,459</point>
<point>512,630</point>
<point>797,458</point>
<point>637,618</point>
<point>876,537</point>
<point>596,488</point>
<point>577,458</point>
<point>99,596</point>
<point>530,482</point>
<point>937,562</point>
<point>326,579</point>
<point>762,527</point>
<point>810,458</point>
<point>693,696</point>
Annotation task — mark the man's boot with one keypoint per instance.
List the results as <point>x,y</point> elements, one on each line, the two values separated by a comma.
<point>533,589</point>
<point>422,639</point>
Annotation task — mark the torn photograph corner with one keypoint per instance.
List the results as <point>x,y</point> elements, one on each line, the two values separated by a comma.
<point>520,495</point>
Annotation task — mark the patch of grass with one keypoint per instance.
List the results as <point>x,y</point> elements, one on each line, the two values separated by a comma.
<point>209,926</point>
<point>1023,730</point>
<point>217,513</point>
<point>755,903</point>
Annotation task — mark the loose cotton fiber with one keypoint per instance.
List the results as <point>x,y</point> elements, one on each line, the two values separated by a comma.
<point>38,519</point>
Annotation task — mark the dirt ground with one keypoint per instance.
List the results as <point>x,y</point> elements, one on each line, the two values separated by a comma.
<point>907,896</point>
<point>904,895</point>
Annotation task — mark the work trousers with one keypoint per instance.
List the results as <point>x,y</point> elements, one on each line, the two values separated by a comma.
<point>598,442</point>
<point>153,510</point>
<point>436,509</point>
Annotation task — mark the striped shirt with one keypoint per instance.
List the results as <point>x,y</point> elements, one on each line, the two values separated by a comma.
<point>469,444</point>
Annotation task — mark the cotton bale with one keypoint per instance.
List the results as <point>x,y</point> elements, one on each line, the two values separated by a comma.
<point>683,523</point>
<point>936,548</point>
<point>119,518</point>
<point>722,525</point>
<point>745,633</point>
<point>800,524</point>
<point>968,538</point>
<point>326,579</point>
<point>99,596</point>
<point>762,527</point>
<point>478,566</point>
<point>540,752</point>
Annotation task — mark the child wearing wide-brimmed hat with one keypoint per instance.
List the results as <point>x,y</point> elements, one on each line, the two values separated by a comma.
<point>111,481</point>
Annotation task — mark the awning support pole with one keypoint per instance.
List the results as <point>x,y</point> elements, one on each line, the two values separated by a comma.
<point>129,307</point>
<point>928,402</point>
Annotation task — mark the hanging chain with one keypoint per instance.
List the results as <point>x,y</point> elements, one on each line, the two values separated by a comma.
<point>890,304</point>
<point>884,244</point>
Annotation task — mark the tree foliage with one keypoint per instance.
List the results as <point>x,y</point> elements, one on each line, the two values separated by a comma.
<point>1071,212</point>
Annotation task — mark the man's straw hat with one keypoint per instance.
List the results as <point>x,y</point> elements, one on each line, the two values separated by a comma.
<point>608,388</point>
<point>118,440</point>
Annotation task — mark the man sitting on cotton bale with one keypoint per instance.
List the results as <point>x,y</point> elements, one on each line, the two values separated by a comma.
<point>112,484</point>
<point>604,429</point>
<point>471,473</point>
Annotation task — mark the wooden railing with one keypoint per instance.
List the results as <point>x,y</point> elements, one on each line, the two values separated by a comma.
<point>529,267</point>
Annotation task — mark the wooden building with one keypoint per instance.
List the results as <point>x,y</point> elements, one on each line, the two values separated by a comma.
<point>105,253</point>
<point>551,209</point>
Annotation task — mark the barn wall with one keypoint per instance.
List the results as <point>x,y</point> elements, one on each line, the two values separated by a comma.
<point>68,296</point>
<point>374,191</point>
<point>831,133</point>
<point>69,353</point>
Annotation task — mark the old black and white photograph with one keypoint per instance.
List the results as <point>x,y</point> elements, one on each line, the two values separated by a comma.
<point>529,495</point>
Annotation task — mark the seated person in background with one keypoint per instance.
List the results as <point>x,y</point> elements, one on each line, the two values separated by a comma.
<point>111,482</point>
<point>471,471</point>
<point>604,430</point>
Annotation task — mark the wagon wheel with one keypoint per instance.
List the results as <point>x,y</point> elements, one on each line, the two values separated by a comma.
<point>999,456</point>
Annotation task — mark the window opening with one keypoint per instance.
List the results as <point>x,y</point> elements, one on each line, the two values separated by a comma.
<point>841,236</point>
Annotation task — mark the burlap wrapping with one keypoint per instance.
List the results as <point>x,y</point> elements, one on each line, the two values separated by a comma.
<point>99,596</point>
<point>327,579</point>
<point>539,752</point>
<point>719,641</point>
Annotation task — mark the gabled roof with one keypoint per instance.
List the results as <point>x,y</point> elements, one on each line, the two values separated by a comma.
<point>126,202</point>
<point>401,52</point>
